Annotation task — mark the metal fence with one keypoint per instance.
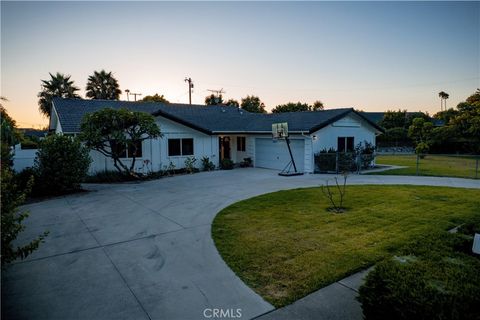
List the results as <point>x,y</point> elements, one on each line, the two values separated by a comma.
<point>446,165</point>
<point>338,162</point>
<point>441,165</point>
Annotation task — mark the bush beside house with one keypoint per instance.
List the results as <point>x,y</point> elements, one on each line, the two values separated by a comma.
<point>61,165</point>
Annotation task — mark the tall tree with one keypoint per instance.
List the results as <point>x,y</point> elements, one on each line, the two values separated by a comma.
<point>253,104</point>
<point>118,132</point>
<point>102,85</point>
<point>9,135</point>
<point>59,85</point>
<point>213,100</point>
<point>12,196</point>
<point>443,100</point>
<point>232,103</point>
<point>155,98</point>
<point>291,107</point>
<point>318,105</point>
<point>446,115</point>
<point>394,119</point>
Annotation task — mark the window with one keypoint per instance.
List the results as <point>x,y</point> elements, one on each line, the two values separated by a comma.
<point>187,147</point>
<point>241,143</point>
<point>180,147</point>
<point>128,150</point>
<point>135,149</point>
<point>119,149</point>
<point>345,144</point>
<point>174,147</point>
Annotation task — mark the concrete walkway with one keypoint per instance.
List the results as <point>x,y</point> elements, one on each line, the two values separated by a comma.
<point>334,302</point>
<point>144,250</point>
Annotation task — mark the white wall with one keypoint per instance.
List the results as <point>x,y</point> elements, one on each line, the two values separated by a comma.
<point>235,155</point>
<point>204,145</point>
<point>349,126</point>
<point>23,158</point>
<point>102,163</point>
<point>156,150</point>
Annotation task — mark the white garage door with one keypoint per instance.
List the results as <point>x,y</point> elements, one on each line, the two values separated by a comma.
<point>274,155</point>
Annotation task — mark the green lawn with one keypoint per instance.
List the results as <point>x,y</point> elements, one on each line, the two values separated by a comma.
<point>431,165</point>
<point>286,244</point>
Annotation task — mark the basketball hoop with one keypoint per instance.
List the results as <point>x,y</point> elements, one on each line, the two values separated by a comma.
<point>279,130</point>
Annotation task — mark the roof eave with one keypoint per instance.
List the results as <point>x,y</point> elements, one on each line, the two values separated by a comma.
<point>181,121</point>
<point>254,132</point>
<point>370,122</point>
<point>330,121</point>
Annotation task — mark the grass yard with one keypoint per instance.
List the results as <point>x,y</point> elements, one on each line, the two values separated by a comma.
<point>431,165</point>
<point>286,244</point>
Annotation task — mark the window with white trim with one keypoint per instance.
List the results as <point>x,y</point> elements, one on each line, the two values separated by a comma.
<point>180,147</point>
<point>345,144</point>
<point>241,143</point>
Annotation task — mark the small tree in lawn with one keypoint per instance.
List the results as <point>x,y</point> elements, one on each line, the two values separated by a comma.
<point>329,193</point>
<point>111,132</point>
<point>420,131</point>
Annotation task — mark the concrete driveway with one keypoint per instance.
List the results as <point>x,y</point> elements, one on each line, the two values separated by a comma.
<point>144,250</point>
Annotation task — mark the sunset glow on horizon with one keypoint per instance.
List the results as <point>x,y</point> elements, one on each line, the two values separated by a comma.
<point>373,56</point>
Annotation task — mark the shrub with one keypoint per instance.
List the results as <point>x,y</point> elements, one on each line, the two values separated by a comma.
<point>325,160</point>
<point>12,196</point>
<point>170,169</point>
<point>207,165</point>
<point>347,162</point>
<point>62,163</point>
<point>190,164</point>
<point>247,162</point>
<point>226,164</point>
<point>433,280</point>
<point>109,176</point>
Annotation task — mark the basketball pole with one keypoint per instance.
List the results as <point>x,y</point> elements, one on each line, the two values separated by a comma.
<point>290,152</point>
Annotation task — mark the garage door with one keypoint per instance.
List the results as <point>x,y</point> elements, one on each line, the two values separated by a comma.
<point>274,155</point>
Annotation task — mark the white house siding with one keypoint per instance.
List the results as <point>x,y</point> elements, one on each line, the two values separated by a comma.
<point>308,164</point>
<point>23,158</point>
<point>349,126</point>
<point>235,155</point>
<point>103,163</point>
<point>203,145</point>
<point>155,151</point>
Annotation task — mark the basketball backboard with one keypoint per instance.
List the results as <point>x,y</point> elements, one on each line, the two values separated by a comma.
<point>280,130</point>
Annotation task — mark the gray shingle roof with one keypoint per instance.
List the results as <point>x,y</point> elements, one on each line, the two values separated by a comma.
<point>208,119</point>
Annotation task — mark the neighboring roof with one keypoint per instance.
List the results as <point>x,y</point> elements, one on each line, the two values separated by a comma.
<point>375,117</point>
<point>207,119</point>
<point>438,122</point>
<point>29,132</point>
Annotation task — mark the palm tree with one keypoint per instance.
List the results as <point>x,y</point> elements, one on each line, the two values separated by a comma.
<point>59,85</point>
<point>102,85</point>
<point>443,97</point>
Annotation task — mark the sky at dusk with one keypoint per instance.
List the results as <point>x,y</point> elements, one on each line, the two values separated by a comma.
<point>372,56</point>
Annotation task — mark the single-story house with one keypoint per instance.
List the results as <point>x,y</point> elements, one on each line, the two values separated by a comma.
<point>224,132</point>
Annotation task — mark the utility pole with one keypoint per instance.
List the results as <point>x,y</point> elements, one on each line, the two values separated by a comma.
<point>190,87</point>
<point>135,95</point>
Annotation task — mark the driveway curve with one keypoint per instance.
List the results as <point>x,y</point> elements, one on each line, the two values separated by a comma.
<point>145,251</point>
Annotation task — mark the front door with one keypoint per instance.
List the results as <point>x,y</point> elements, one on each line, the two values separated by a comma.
<point>224,147</point>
